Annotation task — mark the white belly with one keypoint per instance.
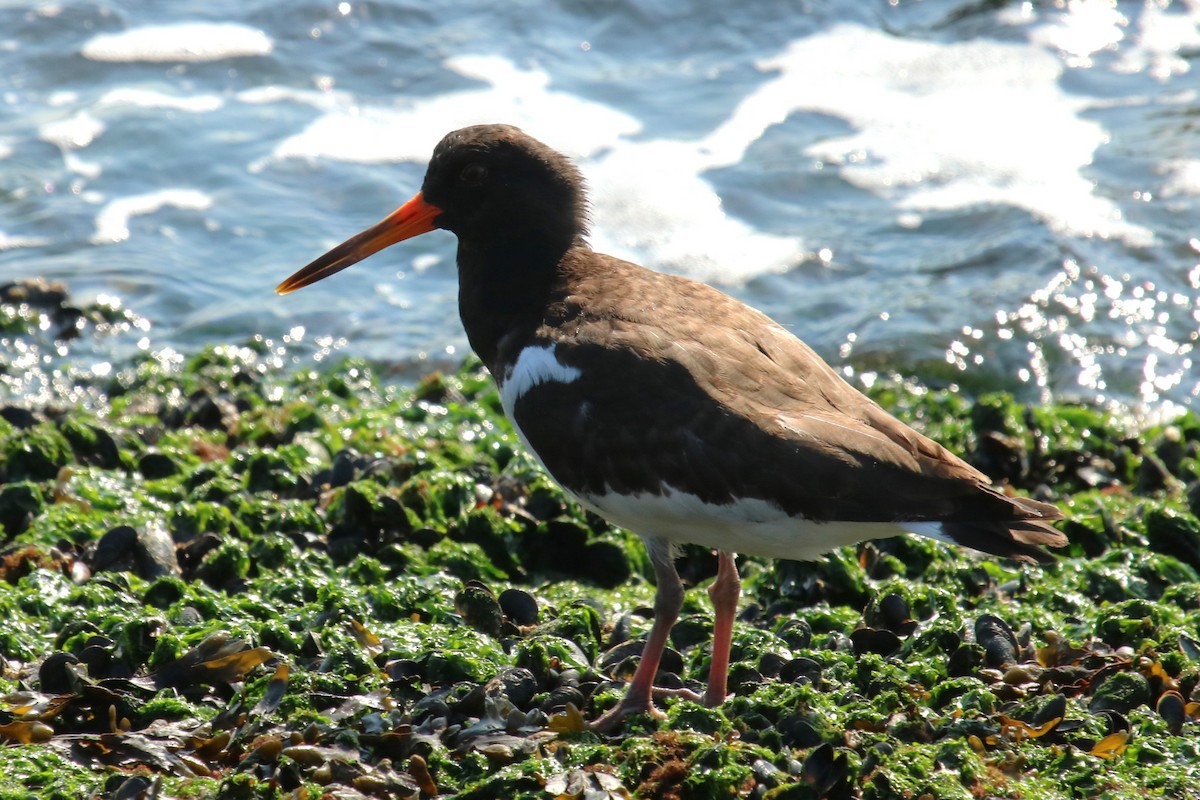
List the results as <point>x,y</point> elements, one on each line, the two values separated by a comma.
<point>753,527</point>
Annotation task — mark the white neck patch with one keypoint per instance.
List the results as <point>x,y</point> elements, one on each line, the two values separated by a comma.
<point>534,365</point>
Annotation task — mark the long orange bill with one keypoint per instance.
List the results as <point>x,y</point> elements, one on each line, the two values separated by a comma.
<point>411,219</point>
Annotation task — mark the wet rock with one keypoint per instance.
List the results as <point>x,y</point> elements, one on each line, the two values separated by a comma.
<point>518,685</point>
<point>203,409</point>
<point>769,664</point>
<point>1172,708</point>
<point>60,673</point>
<point>97,654</point>
<point>134,788</point>
<point>828,770</point>
<point>801,670</point>
<point>875,640</point>
<point>965,660</point>
<point>1174,534</point>
<point>193,552</point>
<point>744,678</point>
<point>37,292</point>
<point>35,454</point>
<point>690,631</point>
<point>1128,623</point>
<point>999,643</point>
<point>404,671</point>
<point>19,417</point>
<point>612,660</point>
<point>155,465</point>
<point>477,605</point>
<point>606,564</point>
<point>519,606</point>
<point>1002,457</point>
<point>1171,450</point>
<point>558,699</point>
<point>1153,476</point>
<point>19,504</point>
<point>93,445</point>
<point>796,634</point>
<point>1193,498</point>
<point>148,551</point>
<point>895,615</point>
<point>1121,693</point>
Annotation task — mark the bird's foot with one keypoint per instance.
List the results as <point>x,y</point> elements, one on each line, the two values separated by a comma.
<point>613,718</point>
<point>680,693</point>
<point>709,699</point>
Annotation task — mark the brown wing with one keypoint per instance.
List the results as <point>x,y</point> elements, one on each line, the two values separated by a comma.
<point>752,411</point>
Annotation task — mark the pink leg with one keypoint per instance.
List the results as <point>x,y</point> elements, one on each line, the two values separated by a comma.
<point>724,592</point>
<point>667,601</point>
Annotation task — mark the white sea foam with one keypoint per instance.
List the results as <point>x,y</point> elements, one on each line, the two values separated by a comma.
<point>408,131</point>
<point>652,204</point>
<point>148,98</point>
<point>1182,177</point>
<point>937,127</point>
<point>323,100</point>
<point>78,130</point>
<point>112,223</point>
<point>1162,39</point>
<point>1078,31</point>
<point>946,126</point>
<point>16,242</point>
<point>186,41</point>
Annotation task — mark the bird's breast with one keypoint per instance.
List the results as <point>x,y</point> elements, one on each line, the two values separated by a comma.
<point>534,365</point>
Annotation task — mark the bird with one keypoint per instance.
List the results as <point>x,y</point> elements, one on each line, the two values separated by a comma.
<point>670,408</point>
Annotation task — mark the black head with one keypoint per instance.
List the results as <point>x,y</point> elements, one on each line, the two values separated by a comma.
<point>495,182</point>
<point>494,186</point>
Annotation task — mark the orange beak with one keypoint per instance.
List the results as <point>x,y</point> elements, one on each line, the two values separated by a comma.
<point>411,219</point>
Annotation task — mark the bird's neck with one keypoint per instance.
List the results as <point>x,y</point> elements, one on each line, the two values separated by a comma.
<point>503,290</point>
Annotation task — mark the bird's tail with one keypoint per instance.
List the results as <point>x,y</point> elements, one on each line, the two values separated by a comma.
<point>1021,537</point>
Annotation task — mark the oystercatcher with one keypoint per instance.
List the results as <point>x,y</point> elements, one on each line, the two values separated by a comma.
<point>668,407</point>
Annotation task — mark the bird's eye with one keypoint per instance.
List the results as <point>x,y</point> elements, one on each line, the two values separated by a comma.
<point>474,174</point>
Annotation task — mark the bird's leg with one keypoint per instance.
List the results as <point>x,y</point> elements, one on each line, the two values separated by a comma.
<point>668,599</point>
<point>724,592</point>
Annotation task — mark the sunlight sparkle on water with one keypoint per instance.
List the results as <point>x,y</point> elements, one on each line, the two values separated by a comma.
<point>1064,323</point>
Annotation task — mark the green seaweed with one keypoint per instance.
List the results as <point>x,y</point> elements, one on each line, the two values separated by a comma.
<point>342,544</point>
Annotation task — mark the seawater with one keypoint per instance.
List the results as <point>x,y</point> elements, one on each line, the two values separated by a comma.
<point>989,197</point>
